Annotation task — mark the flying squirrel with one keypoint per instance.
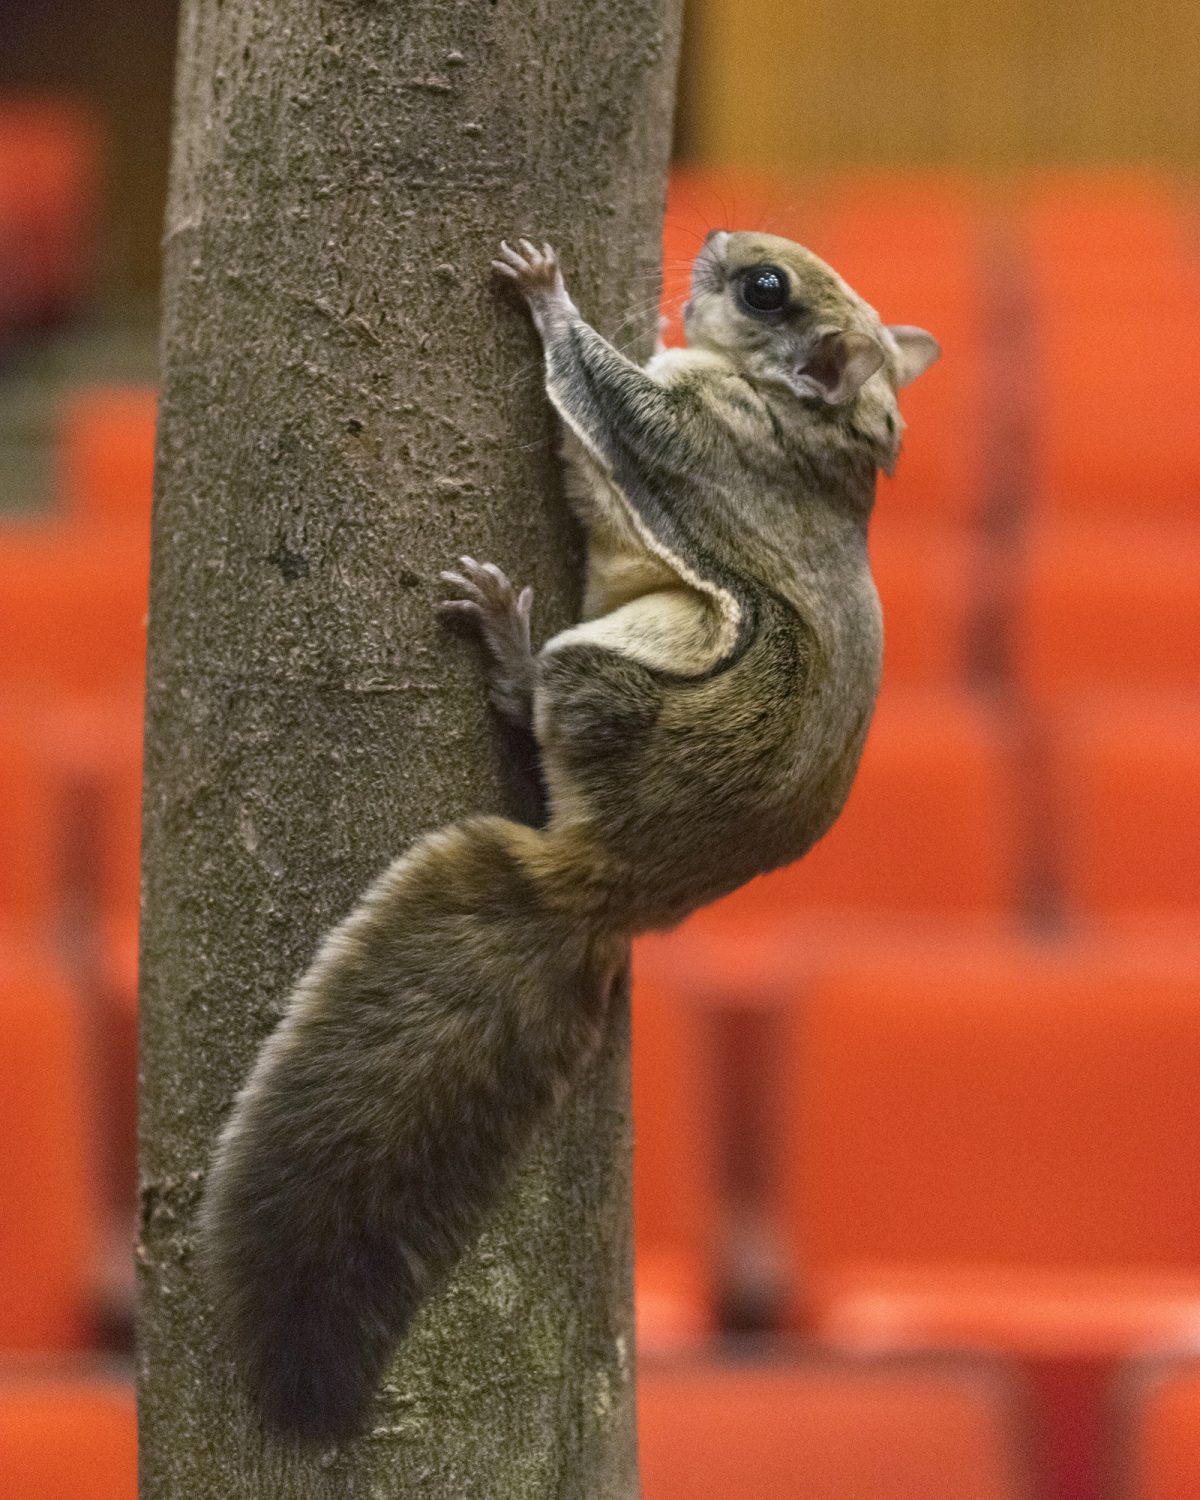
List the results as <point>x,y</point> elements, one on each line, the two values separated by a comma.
<point>700,726</point>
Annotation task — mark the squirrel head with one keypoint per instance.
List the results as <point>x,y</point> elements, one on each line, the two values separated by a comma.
<point>785,318</point>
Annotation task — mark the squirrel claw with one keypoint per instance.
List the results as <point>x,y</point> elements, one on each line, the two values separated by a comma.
<point>499,610</point>
<point>534,271</point>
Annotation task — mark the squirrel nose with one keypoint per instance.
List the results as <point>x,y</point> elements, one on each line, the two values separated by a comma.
<point>713,232</point>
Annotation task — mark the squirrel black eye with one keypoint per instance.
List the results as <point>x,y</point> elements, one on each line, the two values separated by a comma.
<point>765,288</point>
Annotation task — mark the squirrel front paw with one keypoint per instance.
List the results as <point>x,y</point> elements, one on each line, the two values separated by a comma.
<point>537,275</point>
<point>493,606</point>
<point>535,271</point>
<point>498,613</point>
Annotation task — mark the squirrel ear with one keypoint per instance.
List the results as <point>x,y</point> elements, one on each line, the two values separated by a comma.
<point>838,366</point>
<point>918,350</point>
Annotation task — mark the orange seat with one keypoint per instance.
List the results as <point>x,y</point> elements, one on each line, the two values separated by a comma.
<point>1114,441</point>
<point>48,1166</point>
<point>1076,220</point>
<point>978,1102</point>
<point>31,829</point>
<point>990,1146</point>
<point>107,453</point>
<point>1116,315</point>
<point>1161,1429</point>
<point>66,1438</point>
<point>1125,787</point>
<point>119,820</point>
<point>111,897</point>
<point>117,990</point>
<point>1076,299</point>
<point>1108,607</point>
<point>119,961</point>
<point>829,1429</point>
<point>928,586</point>
<point>72,607</point>
<point>70,790</point>
<point>930,828</point>
<point>674,1167</point>
<point>50,167</point>
<point>1104,248</point>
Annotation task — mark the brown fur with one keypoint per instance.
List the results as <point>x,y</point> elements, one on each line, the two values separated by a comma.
<point>701,725</point>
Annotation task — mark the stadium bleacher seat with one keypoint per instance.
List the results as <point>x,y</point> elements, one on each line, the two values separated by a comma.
<point>111,889</point>
<point>119,815</point>
<point>48,1167</point>
<point>72,607</point>
<point>1116,312</point>
<point>927,581</point>
<point>1157,1452</point>
<point>1124,777</point>
<point>1107,609</point>
<point>985,1149</point>
<point>66,1437</point>
<point>1100,224</point>
<point>32,830</point>
<point>830,1429</point>
<point>1111,443</point>
<point>675,1171</point>
<point>106,447</point>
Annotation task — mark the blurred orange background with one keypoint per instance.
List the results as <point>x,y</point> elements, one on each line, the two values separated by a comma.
<point>918,1120</point>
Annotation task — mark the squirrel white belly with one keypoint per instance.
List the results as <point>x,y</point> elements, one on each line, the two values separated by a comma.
<point>701,725</point>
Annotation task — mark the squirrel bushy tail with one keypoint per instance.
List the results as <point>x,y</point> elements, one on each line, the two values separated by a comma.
<point>434,1028</point>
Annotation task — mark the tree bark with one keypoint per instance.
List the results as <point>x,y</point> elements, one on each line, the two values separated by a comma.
<point>350,401</point>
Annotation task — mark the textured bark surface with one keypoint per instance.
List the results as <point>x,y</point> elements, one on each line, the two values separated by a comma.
<point>350,401</point>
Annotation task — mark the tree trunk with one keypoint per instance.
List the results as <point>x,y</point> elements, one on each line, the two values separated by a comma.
<point>349,402</point>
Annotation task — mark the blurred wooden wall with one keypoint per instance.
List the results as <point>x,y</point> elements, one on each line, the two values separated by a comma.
<point>977,83</point>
